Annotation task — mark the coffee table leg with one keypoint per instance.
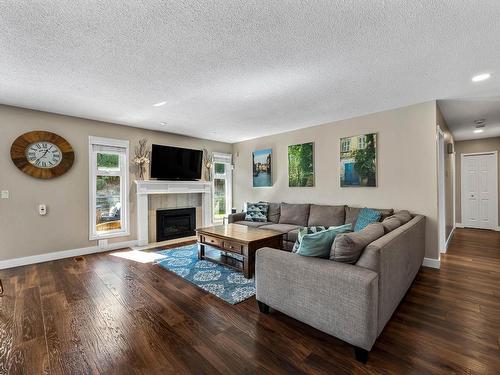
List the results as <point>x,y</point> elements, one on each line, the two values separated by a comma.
<point>201,251</point>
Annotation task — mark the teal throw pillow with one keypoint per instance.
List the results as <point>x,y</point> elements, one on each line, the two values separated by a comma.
<point>318,242</point>
<point>303,231</point>
<point>257,212</point>
<point>366,216</point>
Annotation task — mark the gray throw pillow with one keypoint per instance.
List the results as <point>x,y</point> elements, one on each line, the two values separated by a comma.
<point>347,247</point>
<point>404,216</point>
<point>391,223</point>
<point>257,212</point>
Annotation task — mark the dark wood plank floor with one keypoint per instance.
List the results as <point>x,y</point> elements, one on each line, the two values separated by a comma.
<point>104,314</point>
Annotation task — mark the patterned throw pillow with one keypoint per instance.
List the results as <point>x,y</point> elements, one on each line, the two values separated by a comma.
<point>257,212</point>
<point>366,216</point>
<point>317,241</point>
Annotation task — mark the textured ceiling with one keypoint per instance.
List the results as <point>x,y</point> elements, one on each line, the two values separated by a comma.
<point>234,70</point>
<point>461,114</point>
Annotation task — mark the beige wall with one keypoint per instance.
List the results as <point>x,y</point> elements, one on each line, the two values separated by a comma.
<point>407,168</point>
<point>449,172</point>
<point>472,146</point>
<point>22,231</point>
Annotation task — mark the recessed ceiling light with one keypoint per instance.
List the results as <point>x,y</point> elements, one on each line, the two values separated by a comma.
<point>159,104</point>
<point>478,131</point>
<point>481,77</point>
<point>163,123</point>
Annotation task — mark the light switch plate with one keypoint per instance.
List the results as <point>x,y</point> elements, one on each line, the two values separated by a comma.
<point>5,194</point>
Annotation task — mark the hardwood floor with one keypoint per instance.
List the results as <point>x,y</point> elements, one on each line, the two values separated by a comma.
<point>104,314</point>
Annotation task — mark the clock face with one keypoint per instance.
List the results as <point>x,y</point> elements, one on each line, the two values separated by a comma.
<point>43,154</point>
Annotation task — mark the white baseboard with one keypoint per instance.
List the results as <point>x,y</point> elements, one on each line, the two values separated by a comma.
<point>16,262</point>
<point>433,263</point>
<point>460,225</point>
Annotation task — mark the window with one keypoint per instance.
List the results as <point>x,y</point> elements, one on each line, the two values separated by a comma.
<point>361,142</point>
<point>108,187</point>
<point>345,145</point>
<point>222,186</point>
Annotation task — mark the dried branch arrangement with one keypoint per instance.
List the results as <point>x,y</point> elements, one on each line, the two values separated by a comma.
<point>142,157</point>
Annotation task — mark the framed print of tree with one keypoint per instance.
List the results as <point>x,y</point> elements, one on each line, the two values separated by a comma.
<point>301,165</point>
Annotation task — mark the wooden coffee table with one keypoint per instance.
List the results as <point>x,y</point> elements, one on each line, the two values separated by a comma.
<point>237,239</point>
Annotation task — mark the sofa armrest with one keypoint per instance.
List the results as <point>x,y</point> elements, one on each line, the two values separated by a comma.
<point>232,218</point>
<point>337,298</point>
<point>396,257</point>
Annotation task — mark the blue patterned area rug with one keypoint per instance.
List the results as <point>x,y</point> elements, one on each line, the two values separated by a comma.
<point>223,282</point>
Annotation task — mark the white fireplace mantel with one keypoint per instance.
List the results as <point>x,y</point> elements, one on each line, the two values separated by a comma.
<point>145,188</point>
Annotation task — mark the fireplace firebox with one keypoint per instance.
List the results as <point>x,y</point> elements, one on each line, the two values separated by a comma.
<point>175,223</point>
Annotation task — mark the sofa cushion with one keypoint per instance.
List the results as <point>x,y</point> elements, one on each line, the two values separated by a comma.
<point>253,224</point>
<point>347,247</point>
<point>351,214</point>
<point>273,214</point>
<point>404,216</point>
<point>293,235</point>
<point>390,223</point>
<point>257,211</point>
<point>366,216</point>
<point>283,228</point>
<point>296,214</point>
<point>328,216</point>
<point>317,241</point>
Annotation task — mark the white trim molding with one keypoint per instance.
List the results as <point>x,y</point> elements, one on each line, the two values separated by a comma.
<point>17,262</point>
<point>121,149</point>
<point>432,263</point>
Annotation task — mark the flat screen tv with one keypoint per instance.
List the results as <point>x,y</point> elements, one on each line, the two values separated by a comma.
<point>174,163</point>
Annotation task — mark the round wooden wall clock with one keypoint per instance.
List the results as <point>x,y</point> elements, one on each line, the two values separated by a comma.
<point>42,154</point>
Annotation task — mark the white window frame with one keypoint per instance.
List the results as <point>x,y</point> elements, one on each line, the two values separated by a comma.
<point>345,145</point>
<point>362,141</point>
<point>227,159</point>
<point>124,187</point>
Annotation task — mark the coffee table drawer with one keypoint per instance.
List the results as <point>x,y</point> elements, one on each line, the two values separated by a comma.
<point>233,246</point>
<point>212,241</point>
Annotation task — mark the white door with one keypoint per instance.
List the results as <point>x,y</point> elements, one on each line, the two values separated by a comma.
<point>479,191</point>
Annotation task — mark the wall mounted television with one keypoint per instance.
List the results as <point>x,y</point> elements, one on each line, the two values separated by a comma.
<point>175,163</point>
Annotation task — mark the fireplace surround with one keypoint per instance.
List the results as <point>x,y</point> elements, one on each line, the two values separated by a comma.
<point>152,187</point>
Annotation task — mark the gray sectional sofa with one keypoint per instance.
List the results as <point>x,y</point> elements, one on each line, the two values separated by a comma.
<point>351,301</point>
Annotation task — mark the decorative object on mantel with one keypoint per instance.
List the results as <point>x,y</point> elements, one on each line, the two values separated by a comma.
<point>42,154</point>
<point>207,164</point>
<point>142,158</point>
<point>219,280</point>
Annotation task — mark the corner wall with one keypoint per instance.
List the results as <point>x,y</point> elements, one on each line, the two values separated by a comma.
<point>22,231</point>
<point>407,165</point>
